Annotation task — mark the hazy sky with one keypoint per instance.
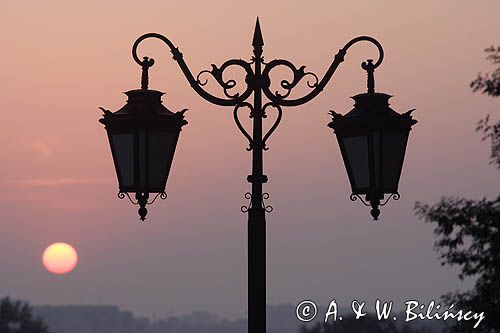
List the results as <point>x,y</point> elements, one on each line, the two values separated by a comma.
<point>60,60</point>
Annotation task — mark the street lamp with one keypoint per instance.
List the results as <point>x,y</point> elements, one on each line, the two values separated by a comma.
<point>372,139</point>
<point>143,136</point>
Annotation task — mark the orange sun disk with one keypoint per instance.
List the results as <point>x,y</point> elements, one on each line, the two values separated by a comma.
<point>59,258</point>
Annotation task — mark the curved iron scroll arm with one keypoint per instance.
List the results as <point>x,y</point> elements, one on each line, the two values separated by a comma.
<point>276,122</point>
<point>195,83</point>
<point>217,73</point>
<point>300,73</point>
<point>240,126</point>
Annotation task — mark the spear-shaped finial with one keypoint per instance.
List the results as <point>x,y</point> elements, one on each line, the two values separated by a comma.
<point>257,36</point>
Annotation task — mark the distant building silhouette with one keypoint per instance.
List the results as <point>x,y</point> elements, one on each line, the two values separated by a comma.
<point>91,318</point>
<point>110,319</point>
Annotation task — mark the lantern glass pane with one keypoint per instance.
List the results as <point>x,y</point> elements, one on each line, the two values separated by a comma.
<point>377,159</point>
<point>142,158</point>
<point>161,153</point>
<point>123,145</point>
<point>394,146</point>
<point>356,149</point>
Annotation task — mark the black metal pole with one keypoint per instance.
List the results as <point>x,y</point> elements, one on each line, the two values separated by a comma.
<point>256,213</point>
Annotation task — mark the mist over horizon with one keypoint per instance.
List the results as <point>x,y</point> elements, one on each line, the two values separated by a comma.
<point>91,318</point>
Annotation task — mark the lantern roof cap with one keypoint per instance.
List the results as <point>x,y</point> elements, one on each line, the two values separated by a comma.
<point>371,111</point>
<point>144,110</point>
<point>372,104</point>
<point>143,102</point>
<point>146,92</point>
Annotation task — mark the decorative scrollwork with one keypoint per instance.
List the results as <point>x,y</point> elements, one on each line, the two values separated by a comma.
<point>267,208</point>
<point>318,85</point>
<point>122,195</point>
<point>276,122</point>
<point>245,209</point>
<point>245,132</point>
<point>288,86</point>
<point>196,83</point>
<point>355,197</point>
<point>162,196</point>
<point>394,196</point>
<point>257,83</point>
<point>217,73</point>
<point>265,196</point>
<point>240,126</point>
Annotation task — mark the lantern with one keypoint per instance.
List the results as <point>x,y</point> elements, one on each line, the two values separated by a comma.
<point>372,139</point>
<point>143,136</point>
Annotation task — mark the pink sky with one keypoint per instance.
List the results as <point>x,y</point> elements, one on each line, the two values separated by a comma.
<point>60,60</point>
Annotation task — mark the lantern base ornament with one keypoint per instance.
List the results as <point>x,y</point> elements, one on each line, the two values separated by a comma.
<point>142,201</point>
<point>375,202</point>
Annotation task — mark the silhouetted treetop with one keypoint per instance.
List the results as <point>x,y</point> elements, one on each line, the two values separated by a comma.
<point>491,132</point>
<point>468,231</point>
<point>489,83</point>
<point>468,236</point>
<point>17,317</point>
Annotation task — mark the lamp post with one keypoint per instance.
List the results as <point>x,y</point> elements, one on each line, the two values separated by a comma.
<point>143,136</point>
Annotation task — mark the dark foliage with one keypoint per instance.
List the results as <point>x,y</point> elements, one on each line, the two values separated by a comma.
<point>491,132</point>
<point>489,84</point>
<point>367,324</point>
<point>469,237</point>
<point>17,317</point>
<point>468,231</point>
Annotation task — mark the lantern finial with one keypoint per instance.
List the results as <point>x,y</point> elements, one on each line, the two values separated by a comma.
<point>369,67</point>
<point>146,63</point>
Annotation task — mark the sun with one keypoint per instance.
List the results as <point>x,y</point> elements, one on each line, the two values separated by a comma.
<point>59,258</point>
